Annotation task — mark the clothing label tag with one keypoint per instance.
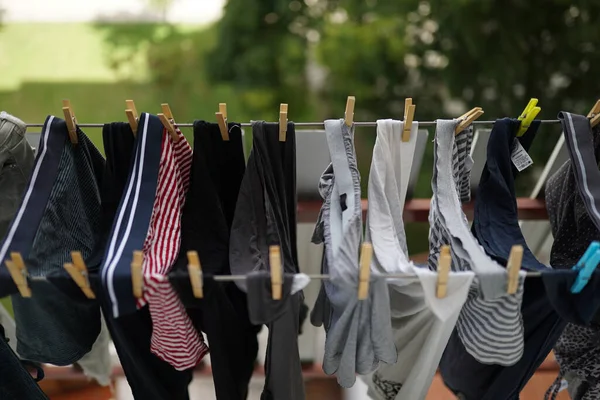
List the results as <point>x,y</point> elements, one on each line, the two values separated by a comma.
<point>519,156</point>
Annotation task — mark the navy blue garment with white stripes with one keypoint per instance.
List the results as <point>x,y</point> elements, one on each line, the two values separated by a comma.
<point>59,213</point>
<point>131,223</point>
<point>149,377</point>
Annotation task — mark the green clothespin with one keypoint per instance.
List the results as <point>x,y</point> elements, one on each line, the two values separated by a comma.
<point>527,116</point>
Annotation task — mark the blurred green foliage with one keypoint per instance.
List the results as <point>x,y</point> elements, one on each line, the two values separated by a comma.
<point>494,53</point>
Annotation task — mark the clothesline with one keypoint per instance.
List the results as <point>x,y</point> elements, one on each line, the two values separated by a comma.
<point>309,124</point>
<point>327,277</point>
<point>230,278</point>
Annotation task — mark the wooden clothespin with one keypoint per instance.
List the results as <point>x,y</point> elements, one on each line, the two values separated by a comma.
<point>443,271</point>
<point>166,117</point>
<point>283,120</point>
<point>195,272</point>
<point>594,114</point>
<point>167,111</point>
<point>79,273</point>
<point>468,118</point>
<point>222,121</point>
<point>70,120</point>
<point>132,115</point>
<point>409,115</point>
<point>276,271</point>
<point>364,274</point>
<point>349,114</point>
<point>137,279</point>
<point>18,272</point>
<point>513,267</point>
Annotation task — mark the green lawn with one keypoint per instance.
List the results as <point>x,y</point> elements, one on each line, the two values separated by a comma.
<point>52,53</point>
<point>51,62</point>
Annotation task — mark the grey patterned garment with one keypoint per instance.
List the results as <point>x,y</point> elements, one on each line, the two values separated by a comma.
<point>58,325</point>
<point>490,325</point>
<point>359,332</point>
<point>16,161</point>
<point>573,201</point>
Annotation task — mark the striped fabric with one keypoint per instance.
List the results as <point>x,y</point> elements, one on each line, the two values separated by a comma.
<point>60,212</point>
<point>490,325</point>
<point>174,338</point>
<point>461,173</point>
<point>132,219</point>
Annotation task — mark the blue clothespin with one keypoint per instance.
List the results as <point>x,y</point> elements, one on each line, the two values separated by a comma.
<point>586,266</point>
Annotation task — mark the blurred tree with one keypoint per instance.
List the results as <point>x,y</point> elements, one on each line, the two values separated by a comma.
<point>498,54</point>
<point>129,44</point>
<point>495,54</point>
<point>262,50</point>
<point>450,56</point>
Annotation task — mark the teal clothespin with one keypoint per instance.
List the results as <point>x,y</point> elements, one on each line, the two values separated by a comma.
<point>586,266</point>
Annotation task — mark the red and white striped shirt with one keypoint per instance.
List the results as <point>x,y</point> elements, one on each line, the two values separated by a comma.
<point>174,338</point>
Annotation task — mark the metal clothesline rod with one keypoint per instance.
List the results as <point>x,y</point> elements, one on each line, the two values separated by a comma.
<point>229,278</point>
<point>312,124</point>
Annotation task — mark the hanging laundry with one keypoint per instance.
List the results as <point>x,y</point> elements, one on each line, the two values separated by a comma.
<point>490,325</point>
<point>148,376</point>
<point>496,227</point>
<point>421,322</point>
<point>265,215</point>
<point>16,381</point>
<point>97,363</point>
<point>149,218</point>
<point>60,212</point>
<point>573,201</point>
<point>16,162</point>
<point>13,180</point>
<point>358,331</point>
<point>264,309</point>
<point>222,314</point>
<point>547,302</point>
